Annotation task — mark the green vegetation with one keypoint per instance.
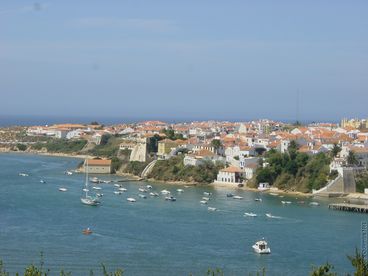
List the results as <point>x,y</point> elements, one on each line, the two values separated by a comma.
<point>108,147</point>
<point>361,182</point>
<point>335,150</point>
<point>170,134</point>
<point>153,143</point>
<point>351,159</point>
<point>216,143</point>
<point>115,164</point>
<point>135,167</point>
<point>61,145</point>
<point>173,169</point>
<point>294,170</point>
<point>21,147</point>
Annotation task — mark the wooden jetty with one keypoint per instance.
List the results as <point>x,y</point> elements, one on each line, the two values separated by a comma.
<point>349,207</point>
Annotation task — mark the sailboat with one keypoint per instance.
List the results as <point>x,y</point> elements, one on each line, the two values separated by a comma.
<point>87,199</point>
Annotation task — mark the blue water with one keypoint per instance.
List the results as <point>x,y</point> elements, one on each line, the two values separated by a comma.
<point>156,237</point>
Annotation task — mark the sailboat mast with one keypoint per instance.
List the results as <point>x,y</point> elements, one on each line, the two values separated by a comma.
<point>86,184</point>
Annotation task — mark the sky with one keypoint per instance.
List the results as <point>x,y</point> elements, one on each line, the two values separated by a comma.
<point>194,59</point>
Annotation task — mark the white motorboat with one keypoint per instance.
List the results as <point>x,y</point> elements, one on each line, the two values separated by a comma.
<point>96,188</point>
<point>23,174</point>
<point>130,199</point>
<point>170,198</point>
<point>211,209</point>
<point>68,173</point>
<point>142,196</point>
<point>180,190</point>
<point>42,181</point>
<point>118,192</point>
<point>87,199</point>
<point>99,195</point>
<point>207,193</point>
<point>271,216</point>
<point>314,203</point>
<point>206,198</point>
<point>285,202</point>
<point>95,180</point>
<point>149,187</point>
<point>122,189</point>
<point>142,190</point>
<point>63,189</point>
<point>165,192</point>
<point>258,199</point>
<point>153,194</point>
<point>250,214</point>
<point>117,185</point>
<point>203,202</point>
<point>261,247</point>
<point>237,197</point>
<point>274,194</point>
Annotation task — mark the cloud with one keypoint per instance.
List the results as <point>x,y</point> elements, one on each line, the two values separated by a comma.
<point>153,25</point>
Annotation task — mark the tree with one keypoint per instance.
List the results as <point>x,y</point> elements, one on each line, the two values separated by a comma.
<point>335,150</point>
<point>323,270</point>
<point>360,264</point>
<point>216,143</point>
<point>352,160</point>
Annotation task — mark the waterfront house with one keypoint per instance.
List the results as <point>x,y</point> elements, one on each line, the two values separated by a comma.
<point>97,166</point>
<point>231,175</point>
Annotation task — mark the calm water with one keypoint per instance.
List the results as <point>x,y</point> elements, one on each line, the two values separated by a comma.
<point>156,237</point>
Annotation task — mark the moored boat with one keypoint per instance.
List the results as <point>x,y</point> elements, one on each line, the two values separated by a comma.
<point>250,214</point>
<point>261,247</point>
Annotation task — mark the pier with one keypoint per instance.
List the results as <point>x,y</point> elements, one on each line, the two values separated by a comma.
<point>349,207</point>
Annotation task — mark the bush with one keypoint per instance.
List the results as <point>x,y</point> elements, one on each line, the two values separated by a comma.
<point>61,145</point>
<point>21,147</point>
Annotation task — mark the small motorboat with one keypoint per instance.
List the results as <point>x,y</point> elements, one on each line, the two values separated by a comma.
<point>99,195</point>
<point>203,202</point>
<point>229,195</point>
<point>153,194</point>
<point>285,202</point>
<point>211,209</point>
<point>149,187</point>
<point>170,198</point>
<point>274,194</point>
<point>261,247</point>
<point>142,190</point>
<point>142,196</point>
<point>206,198</point>
<point>63,189</point>
<point>117,185</point>
<point>207,193</point>
<point>85,190</point>
<point>23,174</point>
<point>68,173</point>
<point>42,181</point>
<point>130,199</point>
<point>258,199</point>
<point>87,231</point>
<point>165,192</point>
<point>118,192</point>
<point>106,181</point>
<point>269,215</point>
<point>180,190</point>
<point>250,214</point>
<point>96,188</point>
<point>95,180</point>
<point>122,189</point>
<point>314,203</point>
<point>237,197</point>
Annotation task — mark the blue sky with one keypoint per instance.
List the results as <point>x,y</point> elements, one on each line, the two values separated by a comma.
<point>185,59</point>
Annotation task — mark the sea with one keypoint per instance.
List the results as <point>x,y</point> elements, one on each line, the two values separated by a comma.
<point>152,236</point>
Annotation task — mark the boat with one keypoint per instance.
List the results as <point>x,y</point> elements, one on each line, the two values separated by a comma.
<point>87,231</point>
<point>142,190</point>
<point>170,198</point>
<point>68,173</point>
<point>165,192</point>
<point>99,195</point>
<point>314,203</point>
<point>237,197</point>
<point>63,189</point>
<point>130,199</point>
<point>285,202</point>
<point>149,187</point>
<point>23,174</point>
<point>96,188</point>
<point>180,190</point>
<point>250,214</point>
<point>258,199</point>
<point>95,180</point>
<point>106,181</point>
<point>122,189</point>
<point>274,194</point>
<point>153,194</point>
<point>42,181</point>
<point>117,185</point>
<point>142,196</point>
<point>211,209</point>
<point>229,195</point>
<point>118,192</point>
<point>207,193</point>
<point>87,199</point>
<point>203,202</point>
<point>271,216</point>
<point>261,247</point>
<point>206,198</point>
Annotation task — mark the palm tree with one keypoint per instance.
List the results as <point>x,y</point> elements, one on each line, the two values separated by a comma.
<point>335,150</point>
<point>352,160</point>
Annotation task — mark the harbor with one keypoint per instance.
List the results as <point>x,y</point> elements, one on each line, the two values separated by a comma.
<point>348,207</point>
